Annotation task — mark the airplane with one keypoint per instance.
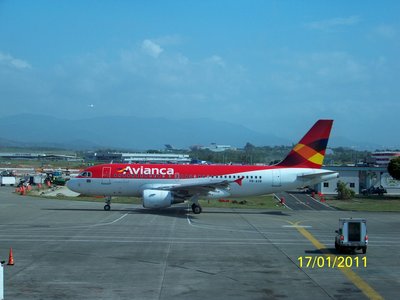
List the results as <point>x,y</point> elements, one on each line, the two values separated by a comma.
<point>162,185</point>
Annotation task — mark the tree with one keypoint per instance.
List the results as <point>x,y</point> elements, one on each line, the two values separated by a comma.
<point>249,147</point>
<point>249,151</point>
<point>394,168</point>
<point>344,192</point>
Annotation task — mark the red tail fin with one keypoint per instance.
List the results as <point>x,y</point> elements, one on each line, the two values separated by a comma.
<point>310,151</point>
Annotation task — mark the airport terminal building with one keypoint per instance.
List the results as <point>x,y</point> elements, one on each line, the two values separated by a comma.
<point>359,178</point>
<point>138,157</point>
<point>364,176</point>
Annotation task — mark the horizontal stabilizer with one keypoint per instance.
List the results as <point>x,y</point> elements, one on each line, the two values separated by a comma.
<point>321,175</point>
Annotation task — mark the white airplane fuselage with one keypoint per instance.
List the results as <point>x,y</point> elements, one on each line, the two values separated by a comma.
<point>162,185</point>
<point>254,183</point>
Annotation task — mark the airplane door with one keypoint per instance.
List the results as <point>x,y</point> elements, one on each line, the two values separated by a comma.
<point>106,175</point>
<point>177,177</point>
<point>276,177</point>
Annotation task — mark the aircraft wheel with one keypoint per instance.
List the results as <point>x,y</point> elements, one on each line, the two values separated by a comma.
<point>196,209</point>
<point>364,250</point>
<point>107,207</point>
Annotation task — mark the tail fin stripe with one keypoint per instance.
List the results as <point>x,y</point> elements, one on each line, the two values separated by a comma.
<point>317,159</point>
<point>310,151</point>
<point>319,145</point>
<point>305,151</point>
<point>309,154</point>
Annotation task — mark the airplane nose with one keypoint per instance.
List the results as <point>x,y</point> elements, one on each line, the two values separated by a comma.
<point>72,185</point>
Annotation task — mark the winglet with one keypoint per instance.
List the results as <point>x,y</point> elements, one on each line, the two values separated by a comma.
<point>310,151</point>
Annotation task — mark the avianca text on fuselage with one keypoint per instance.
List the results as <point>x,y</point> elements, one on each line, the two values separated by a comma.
<point>163,185</point>
<point>146,171</point>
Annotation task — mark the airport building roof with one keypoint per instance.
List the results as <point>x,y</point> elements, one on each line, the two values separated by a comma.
<point>155,157</point>
<point>6,155</point>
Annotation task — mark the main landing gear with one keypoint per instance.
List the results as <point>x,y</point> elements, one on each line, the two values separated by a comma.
<point>107,207</point>
<point>196,208</point>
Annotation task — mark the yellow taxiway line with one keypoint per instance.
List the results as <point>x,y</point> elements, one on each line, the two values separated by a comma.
<point>348,272</point>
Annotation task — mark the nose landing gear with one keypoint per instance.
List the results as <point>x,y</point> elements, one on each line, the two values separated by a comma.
<point>107,207</point>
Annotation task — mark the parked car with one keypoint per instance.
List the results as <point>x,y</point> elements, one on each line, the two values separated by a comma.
<point>380,190</point>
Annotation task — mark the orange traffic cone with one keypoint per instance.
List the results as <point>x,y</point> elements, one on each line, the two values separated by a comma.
<point>11,258</point>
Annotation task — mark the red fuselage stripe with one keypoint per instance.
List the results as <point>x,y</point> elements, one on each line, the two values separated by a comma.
<point>169,170</point>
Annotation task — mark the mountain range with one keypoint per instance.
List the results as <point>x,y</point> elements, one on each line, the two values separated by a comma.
<point>124,133</point>
<point>135,133</point>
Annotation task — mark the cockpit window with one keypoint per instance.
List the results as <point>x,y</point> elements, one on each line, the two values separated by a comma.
<point>86,174</point>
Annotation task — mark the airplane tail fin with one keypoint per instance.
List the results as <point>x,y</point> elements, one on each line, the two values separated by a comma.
<point>310,151</point>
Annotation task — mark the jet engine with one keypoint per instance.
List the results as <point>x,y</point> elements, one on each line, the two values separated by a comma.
<point>157,198</point>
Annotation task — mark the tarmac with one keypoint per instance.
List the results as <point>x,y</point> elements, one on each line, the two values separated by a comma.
<point>302,201</point>
<point>75,250</point>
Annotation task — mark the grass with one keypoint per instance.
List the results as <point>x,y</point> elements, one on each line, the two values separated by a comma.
<point>123,200</point>
<point>35,164</point>
<point>371,203</point>
<point>257,202</point>
<point>359,203</point>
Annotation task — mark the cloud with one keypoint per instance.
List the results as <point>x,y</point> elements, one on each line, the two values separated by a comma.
<point>385,31</point>
<point>318,71</point>
<point>168,40</point>
<point>151,48</point>
<point>330,24</point>
<point>7,59</point>
<point>217,60</point>
<point>126,82</point>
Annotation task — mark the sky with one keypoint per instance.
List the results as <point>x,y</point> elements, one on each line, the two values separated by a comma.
<point>272,66</point>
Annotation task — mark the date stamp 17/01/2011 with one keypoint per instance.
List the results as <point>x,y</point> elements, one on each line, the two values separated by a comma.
<point>332,261</point>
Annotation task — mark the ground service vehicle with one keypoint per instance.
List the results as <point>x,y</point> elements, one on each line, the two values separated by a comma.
<point>352,235</point>
<point>7,178</point>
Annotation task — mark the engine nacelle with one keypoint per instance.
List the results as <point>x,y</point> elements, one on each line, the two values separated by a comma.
<point>157,199</point>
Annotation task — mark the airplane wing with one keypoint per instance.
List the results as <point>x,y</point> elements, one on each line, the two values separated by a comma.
<point>202,188</point>
<point>315,175</point>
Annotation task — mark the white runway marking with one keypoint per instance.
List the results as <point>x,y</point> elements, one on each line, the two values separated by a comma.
<point>109,223</point>
<point>296,226</point>
<point>41,228</point>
